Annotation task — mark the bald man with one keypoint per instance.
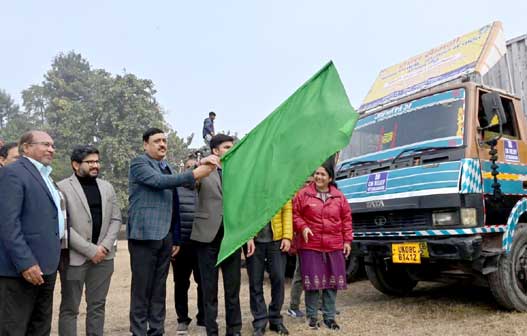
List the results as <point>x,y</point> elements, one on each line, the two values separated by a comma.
<point>32,226</point>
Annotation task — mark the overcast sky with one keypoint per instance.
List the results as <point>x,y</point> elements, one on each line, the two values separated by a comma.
<point>238,58</point>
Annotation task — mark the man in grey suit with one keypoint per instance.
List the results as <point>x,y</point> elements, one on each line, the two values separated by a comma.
<point>95,220</point>
<point>207,231</point>
<point>153,229</point>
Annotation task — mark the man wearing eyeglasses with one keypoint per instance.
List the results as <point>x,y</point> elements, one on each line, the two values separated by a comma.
<point>31,229</point>
<point>95,220</point>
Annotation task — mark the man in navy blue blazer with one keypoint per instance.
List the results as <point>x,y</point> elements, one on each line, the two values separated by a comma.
<point>31,228</point>
<point>153,230</point>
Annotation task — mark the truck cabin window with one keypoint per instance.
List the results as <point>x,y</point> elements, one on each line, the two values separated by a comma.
<point>434,119</point>
<point>509,128</point>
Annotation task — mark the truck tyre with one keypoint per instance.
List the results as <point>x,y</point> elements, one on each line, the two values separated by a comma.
<point>509,283</point>
<point>354,268</point>
<point>388,278</point>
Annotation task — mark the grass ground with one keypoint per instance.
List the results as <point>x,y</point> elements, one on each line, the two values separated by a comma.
<point>433,309</point>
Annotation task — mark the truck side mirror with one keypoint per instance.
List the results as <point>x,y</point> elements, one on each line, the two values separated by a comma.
<point>494,112</point>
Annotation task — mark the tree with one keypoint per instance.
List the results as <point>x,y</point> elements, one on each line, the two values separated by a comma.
<point>13,121</point>
<point>7,108</point>
<point>129,108</point>
<point>80,105</point>
<point>35,104</point>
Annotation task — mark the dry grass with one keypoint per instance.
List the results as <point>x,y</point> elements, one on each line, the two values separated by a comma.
<point>431,310</point>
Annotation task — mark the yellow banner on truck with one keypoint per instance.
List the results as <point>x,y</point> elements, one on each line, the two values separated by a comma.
<point>476,51</point>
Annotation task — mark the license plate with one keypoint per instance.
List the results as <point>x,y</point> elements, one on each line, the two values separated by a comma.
<point>409,253</point>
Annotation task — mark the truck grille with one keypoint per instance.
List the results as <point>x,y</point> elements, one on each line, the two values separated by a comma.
<point>395,220</point>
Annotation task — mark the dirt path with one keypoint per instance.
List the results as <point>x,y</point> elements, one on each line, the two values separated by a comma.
<point>432,310</point>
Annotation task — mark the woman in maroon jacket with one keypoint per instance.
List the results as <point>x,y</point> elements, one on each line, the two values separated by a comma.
<point>322,216</point>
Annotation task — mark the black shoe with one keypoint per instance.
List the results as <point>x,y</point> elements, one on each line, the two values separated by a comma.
<point>259,332</point>
<point>182,328</point>
<point>313,323</point>
<point>279,328</point>
<point>331,324</point>
<point>235,334</point>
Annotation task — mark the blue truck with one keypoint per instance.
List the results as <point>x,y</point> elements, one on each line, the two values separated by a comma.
<point>437,182</point>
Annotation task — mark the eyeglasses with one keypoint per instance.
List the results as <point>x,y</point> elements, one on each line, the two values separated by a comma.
<point>43,143</point>
<point>92,162</point>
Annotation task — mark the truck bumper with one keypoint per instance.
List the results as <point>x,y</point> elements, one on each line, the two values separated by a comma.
<point>466,248</point>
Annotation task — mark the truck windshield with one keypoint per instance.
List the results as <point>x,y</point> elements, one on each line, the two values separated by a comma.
<point>437,117</point>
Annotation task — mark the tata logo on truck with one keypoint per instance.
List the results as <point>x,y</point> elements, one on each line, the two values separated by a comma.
<point>374,204</point>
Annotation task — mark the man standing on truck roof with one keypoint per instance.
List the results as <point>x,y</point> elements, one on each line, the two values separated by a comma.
<point>208,127</point>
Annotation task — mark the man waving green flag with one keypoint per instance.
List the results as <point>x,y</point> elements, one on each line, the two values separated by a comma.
<point>269,164</point>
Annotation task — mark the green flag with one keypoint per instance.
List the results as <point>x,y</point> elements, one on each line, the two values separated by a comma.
<point>265,169</point>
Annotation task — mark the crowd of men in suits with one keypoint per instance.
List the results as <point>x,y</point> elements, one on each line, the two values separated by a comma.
<point>71,228</point>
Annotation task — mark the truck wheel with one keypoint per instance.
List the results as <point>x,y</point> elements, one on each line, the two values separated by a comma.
<point>509,283</point>
<point>354,268</point>
<point>389,278</point>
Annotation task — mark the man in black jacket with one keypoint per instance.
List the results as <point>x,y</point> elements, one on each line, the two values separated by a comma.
<point>186,261</point>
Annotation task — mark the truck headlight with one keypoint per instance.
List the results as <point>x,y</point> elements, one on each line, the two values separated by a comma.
<point>445,218</point>
<point>469,217</point>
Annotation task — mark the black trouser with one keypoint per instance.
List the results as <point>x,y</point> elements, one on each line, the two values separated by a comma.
<point>26,309</point>
<point>230,268</point>
<point>183,265</point>
<point>266,257</point>
<point>150,262</point>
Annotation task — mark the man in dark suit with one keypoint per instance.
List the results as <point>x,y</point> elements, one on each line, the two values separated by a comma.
<point>208,127</point>
<point>185,263</point>
<point>152,219</point>
<point>31,228</point>
<point>207,231</point>
<point>8,153</point>
<point>95,220</point>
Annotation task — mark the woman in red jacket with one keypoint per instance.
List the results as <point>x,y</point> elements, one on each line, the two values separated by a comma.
<point>322,216</point>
